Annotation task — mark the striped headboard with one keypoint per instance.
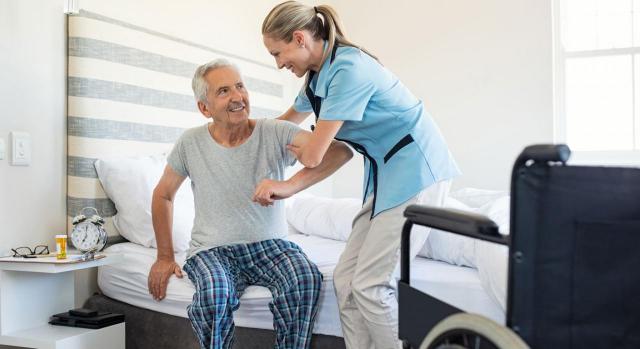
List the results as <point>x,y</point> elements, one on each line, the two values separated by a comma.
<point>129,93</point>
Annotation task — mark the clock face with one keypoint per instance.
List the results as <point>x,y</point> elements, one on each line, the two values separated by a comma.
<point>87,236</point>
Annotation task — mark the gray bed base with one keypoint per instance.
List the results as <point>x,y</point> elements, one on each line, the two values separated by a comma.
<point>148,329</point>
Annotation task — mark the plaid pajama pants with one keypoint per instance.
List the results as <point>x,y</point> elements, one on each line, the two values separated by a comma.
<point>221,275</point>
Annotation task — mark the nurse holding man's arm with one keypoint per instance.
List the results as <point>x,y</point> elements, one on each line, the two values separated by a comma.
<point>355,99</point>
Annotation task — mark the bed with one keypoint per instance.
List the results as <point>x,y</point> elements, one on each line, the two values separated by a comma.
<point>320,226</point>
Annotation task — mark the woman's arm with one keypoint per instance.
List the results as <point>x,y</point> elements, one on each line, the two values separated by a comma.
<point>294,116</point>
<point>269,190</point>
<point>311,152</point>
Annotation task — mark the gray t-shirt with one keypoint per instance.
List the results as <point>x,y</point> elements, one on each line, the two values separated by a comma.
<point>223,181</point>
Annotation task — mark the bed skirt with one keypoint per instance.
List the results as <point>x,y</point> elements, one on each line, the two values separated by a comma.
<point>148,329</point>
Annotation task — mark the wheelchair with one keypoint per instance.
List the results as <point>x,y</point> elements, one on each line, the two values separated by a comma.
<point>574,265</point>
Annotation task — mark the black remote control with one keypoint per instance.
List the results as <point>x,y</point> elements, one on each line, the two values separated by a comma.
<point>82,312</point>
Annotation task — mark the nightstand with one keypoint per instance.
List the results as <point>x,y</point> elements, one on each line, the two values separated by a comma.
<point>30,292</point>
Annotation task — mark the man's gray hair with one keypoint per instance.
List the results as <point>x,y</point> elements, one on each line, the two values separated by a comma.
<point>200,85</point>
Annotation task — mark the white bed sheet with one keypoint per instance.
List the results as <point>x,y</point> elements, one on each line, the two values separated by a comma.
<point>127,282</point>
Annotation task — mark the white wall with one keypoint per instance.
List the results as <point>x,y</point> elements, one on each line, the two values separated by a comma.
<point>483,69</point>
<point>32,99</point>
<point>33,96</point>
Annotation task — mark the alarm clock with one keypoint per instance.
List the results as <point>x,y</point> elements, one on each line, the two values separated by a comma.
<point>88,234</point>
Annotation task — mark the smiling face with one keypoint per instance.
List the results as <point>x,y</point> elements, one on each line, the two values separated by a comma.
<point>227,97</point>
<point>293,55</point>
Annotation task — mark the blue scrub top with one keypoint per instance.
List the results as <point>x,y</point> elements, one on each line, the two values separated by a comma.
<point>403,148</point>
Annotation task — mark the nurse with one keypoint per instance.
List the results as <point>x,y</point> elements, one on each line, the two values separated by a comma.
<point>357,100</point>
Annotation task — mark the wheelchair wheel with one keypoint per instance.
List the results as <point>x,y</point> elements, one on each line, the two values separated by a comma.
<point>470,331</point>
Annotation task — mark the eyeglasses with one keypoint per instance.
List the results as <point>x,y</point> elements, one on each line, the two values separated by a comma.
<point>27,252</point>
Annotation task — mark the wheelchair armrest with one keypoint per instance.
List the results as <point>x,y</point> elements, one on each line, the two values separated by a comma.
<point>455,221</point>
<point>450,220</point>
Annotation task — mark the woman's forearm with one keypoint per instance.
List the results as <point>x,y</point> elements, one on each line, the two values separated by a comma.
<point>337,155</point>
<point>313,147</point>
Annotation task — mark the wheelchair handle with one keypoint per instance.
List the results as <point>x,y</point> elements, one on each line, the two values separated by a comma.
<point>544,153</point>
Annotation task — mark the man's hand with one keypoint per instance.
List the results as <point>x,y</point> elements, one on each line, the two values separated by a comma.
<point>269,190</point>
<point>159,276</point>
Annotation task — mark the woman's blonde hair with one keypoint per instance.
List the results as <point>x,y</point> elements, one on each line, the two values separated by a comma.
<point>290,16</point>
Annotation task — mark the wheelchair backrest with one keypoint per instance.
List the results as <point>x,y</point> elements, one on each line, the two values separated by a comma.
<point>574,278</point>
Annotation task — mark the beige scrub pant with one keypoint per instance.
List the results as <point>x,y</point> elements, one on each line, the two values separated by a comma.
<point>365,277</point>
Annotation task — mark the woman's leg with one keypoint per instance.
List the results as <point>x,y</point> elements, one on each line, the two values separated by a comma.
<point>354,330</point>
<point>374,283</point>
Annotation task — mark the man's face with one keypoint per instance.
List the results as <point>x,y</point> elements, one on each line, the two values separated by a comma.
<point>227,98</point>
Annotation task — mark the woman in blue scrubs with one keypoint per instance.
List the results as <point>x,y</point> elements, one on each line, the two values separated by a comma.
<point>357,100</point>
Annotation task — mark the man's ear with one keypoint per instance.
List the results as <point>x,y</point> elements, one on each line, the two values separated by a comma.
<point>204,109</point>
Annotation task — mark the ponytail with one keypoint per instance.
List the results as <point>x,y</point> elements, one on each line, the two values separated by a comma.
<point>335,31</point>
<point>321,21</point>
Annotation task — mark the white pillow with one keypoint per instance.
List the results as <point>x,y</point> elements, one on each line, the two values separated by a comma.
<point>129,183</point>
<point>333,218</point>
<point>498,211</point>
<point>447,247</point>
<point>323,217</point>
<point>462,250</point>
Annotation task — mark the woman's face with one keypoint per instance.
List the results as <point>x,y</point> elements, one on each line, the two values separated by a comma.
<point>292,55</point>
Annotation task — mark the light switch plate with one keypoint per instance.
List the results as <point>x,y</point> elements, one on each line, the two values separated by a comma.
<point>20,149</point>
<point>2,149</point>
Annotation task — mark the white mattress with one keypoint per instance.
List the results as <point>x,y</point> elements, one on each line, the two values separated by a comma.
<point>127,282</point>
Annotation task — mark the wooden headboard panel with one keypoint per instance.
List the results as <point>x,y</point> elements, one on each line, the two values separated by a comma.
<point>129,93</point>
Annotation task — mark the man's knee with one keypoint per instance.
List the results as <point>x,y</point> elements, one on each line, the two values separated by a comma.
<point>317,277</point>
<point>213,289</point>
<point>305,279</point>
<point>310,278</point>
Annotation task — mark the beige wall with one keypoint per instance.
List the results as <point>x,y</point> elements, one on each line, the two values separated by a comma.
<point>483,69</point>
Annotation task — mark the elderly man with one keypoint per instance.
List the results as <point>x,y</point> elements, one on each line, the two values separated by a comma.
<point>236,166</point>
